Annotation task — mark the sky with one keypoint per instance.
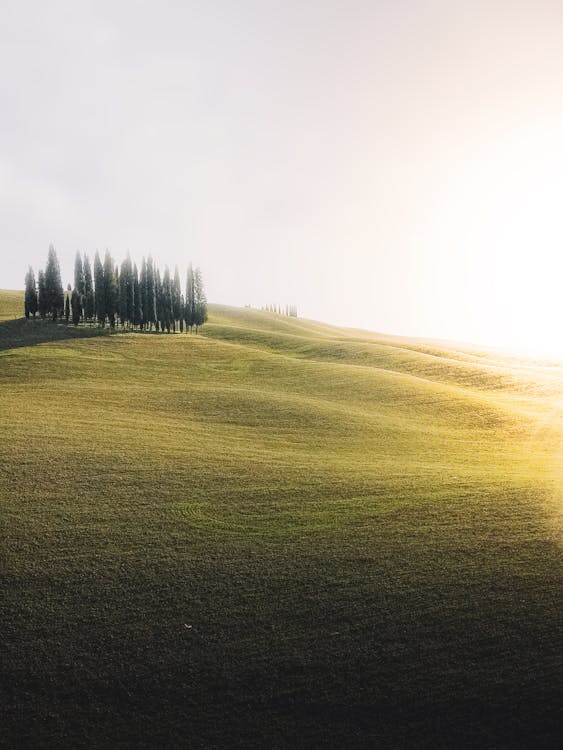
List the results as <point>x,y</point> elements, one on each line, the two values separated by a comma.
<point>395,165</point>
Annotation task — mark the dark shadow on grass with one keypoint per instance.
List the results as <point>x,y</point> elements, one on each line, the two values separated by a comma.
<point>23,332</point>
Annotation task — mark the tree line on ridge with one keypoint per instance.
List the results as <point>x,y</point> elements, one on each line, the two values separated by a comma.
<point>113,295</point>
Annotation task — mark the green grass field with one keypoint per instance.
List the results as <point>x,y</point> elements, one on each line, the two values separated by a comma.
<point>277,534</point>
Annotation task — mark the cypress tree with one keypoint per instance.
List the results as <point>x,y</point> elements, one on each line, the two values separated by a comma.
<point>150,299</point>
<point>67,303</point>
<point>110,289</point>
<point>53,285</point>
<point>176,292</point>
<point>79,275</point>
<point>182,308</point>
<point>143,294</point>
<point>76,305</point>
<point>130,292</point>
<point>88,302</point>
<point>116,287</point>
<point>137,313</point>
<point>123,279</point>
<point>130,305</point>
<point>159,301</point>
<point>190,298</point>
<point>42,294</point>
<point>168,311</point>
<point>100,295</point>
<point>79,282</point>
<point>30,294</point>
<point>200,301</point>
<point>126,292</point>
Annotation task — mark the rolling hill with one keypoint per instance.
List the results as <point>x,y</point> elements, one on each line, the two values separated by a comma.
<point>277,534</point>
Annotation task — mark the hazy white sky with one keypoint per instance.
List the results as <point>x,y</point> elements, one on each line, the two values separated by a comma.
<point>394,165</point>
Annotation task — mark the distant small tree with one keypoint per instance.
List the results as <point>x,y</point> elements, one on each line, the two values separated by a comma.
<point>31,303</point>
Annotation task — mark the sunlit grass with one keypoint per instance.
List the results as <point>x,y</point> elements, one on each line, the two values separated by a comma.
<point>278,534</point>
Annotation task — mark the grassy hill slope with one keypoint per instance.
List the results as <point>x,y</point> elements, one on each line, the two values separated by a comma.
<point>277,534</point>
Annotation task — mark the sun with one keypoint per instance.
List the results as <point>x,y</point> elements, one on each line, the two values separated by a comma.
<point>514,204</point>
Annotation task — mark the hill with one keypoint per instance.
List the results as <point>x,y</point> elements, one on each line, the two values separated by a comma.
<point>277,534</point>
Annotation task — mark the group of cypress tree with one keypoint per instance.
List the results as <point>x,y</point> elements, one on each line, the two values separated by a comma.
<point>289,310</point>
<point>115,295</point>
